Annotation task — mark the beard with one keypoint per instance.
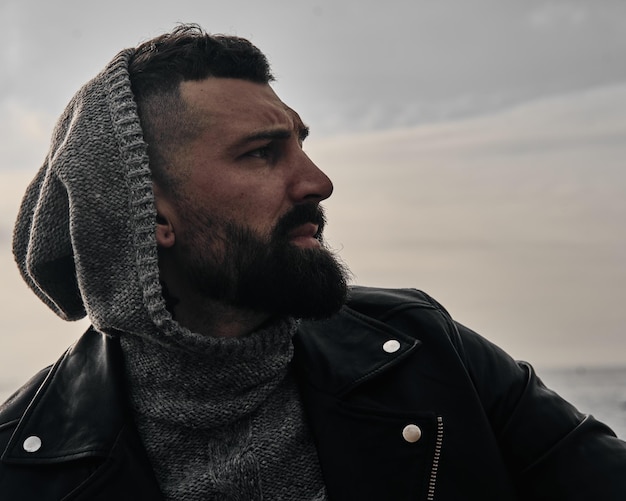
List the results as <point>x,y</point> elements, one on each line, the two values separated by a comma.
<point>232,264</point>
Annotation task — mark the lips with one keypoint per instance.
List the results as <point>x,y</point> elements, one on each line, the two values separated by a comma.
<point>302,225</point>
<point>305,230</point>
<point>305,235</point>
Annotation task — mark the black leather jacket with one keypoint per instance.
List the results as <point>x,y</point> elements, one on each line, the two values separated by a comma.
<point>480,426</point>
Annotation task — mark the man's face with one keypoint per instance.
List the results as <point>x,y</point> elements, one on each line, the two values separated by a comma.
<point>245,215</point>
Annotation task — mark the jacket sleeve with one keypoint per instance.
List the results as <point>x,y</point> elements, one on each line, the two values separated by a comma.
<point>553,451</point>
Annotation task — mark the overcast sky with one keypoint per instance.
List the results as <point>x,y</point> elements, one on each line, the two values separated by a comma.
<point>477,149</point>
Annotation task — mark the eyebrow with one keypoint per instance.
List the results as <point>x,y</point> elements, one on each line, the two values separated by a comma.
<point>302,130</point>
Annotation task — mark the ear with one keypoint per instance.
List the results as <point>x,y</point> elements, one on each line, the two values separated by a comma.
<point>165,234</point>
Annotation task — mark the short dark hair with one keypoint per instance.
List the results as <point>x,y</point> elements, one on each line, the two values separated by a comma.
<point>160,65</point>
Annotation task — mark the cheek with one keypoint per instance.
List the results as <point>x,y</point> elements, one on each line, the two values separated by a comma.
<point>258,206</point>
<point>256,202</point>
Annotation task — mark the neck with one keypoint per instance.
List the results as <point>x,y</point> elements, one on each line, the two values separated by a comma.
<point>216,319</point>
<point>209,317</point>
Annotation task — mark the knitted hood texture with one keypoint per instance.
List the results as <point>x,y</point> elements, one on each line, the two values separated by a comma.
<point>84,238</point>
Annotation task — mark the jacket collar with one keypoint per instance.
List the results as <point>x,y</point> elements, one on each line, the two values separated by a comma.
<point>80,408</point>
<point>340,353</point>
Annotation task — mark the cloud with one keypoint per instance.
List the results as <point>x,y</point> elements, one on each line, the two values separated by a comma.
<point>24,135</point>
<point>376,65</point>
<point>514,220</point>
<point>553,14</point>
<point>10,39</point>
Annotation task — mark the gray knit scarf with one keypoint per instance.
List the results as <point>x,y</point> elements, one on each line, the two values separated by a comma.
<point>223,421</point>
<point>220,419</point>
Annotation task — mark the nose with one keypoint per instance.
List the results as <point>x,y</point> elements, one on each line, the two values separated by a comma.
<point>310,184</point>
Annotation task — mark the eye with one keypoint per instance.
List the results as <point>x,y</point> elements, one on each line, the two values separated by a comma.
<point>263,153</point>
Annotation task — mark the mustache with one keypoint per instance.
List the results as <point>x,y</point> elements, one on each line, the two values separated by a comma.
<point>299,215</point>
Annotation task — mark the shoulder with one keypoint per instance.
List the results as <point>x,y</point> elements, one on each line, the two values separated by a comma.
<point>377,301</point>
<point>383,304</point>
<point>372,314</point>
<point>17,403</point>
<point>410,311</point>
<point>376,330</point>
<point>14,408</point>
<point>379,311</point>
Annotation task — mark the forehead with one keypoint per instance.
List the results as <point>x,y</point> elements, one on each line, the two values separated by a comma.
<point>233,106</point>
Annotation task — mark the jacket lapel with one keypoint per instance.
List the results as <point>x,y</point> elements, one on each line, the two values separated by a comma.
<point>361,450</point>
<point>78,410</point>
<point>338,354</point>
<point>79,424</point>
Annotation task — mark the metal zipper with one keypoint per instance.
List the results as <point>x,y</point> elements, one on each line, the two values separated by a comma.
<point>433,471</point>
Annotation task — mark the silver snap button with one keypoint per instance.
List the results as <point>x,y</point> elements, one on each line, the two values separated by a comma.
<point>32,444</point>
<point>411,433</point>
<point>391,346</point>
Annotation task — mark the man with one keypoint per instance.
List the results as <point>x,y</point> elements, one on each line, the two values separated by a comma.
<point>228,359</point>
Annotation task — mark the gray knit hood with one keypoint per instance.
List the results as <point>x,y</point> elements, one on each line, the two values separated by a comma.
<point>84,238</point>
